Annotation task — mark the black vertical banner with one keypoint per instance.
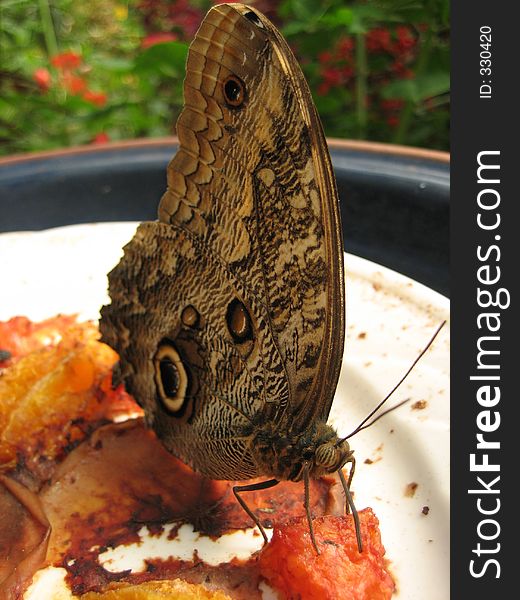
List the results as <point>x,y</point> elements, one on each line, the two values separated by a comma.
<point>485,267</point>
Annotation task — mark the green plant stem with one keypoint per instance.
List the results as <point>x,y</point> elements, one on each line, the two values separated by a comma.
<point>48,28</point>
<point>361,85</point>
<point>408,109</point>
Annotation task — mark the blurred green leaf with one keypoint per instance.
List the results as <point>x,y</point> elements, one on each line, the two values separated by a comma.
<point>114,64</point>
<point>303,10</point>
<point>419,89</point>
<point>365,16</point>
<point>330,104</point>
<point>168,58</point>
<point>339,17</point>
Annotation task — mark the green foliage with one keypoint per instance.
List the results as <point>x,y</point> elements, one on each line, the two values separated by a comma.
<point>75,73</point>
<point>119,90</point>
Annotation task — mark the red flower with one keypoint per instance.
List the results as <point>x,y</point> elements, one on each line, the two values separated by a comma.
<point>96,98</point>
<point>345,46</point>
<point>378,39</point>
<point>66,61</point>
<point>393,121</point>
<point>157,38</point>
<point>402,71</point>
<point>347,71</point>
<point>101,138</point>
<point>332,76</point>
<point>325,57</point>
<point>42,77</point>
<point>407,74</point>
<point>73,83</point>
<point>323,88</point>
<point>405,38</point>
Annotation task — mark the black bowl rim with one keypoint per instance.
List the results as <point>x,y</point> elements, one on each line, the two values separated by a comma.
<point>333,143</point>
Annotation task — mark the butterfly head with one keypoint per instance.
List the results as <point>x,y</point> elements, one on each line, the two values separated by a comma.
<point>331,456</point>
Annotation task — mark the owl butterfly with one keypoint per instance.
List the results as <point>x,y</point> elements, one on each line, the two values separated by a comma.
<point>228,313</point>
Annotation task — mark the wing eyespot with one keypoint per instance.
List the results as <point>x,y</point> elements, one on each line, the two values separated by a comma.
<point>171,378</point>
<point>190,317</point>
<point>239,323</point>
<point>234,91</point>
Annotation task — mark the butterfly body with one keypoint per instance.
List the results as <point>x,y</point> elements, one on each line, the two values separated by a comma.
<point>228,313</point>
<point>283,454</point>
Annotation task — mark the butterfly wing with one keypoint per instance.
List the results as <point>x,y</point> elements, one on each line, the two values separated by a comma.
<point>255,182</point>
<point>231,309</point>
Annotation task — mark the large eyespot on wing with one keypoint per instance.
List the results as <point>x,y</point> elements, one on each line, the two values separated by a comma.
<point>171,378</point>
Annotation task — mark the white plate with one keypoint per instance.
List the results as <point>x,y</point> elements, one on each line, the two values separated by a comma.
<point>389,321</point>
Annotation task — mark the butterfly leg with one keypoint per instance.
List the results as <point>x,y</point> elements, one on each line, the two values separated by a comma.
<point>262,485</point>
<point>307,505</point>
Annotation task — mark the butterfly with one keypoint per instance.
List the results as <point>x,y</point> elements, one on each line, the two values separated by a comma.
<point>228,313</point>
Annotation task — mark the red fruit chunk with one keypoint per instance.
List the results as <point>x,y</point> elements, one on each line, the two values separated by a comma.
<point>290,564</point>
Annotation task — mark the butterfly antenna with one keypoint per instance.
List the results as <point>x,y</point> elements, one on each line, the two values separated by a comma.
<point>374,411</point>
<point>360,427</point>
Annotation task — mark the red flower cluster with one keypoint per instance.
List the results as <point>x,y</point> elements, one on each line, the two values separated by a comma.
<point>337,67</point>
<point>378,40</point>
<point>101,138</point>
<point>96,98</point>
<point>394,43</point>
<point>71,77</point>
<point>66,61</point>
<point>42,78</point>
<point>398,47</point>
<point>390,54</point>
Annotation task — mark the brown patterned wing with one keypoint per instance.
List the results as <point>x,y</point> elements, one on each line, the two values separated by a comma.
<point>254,182</point>
<point>242,279</point>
